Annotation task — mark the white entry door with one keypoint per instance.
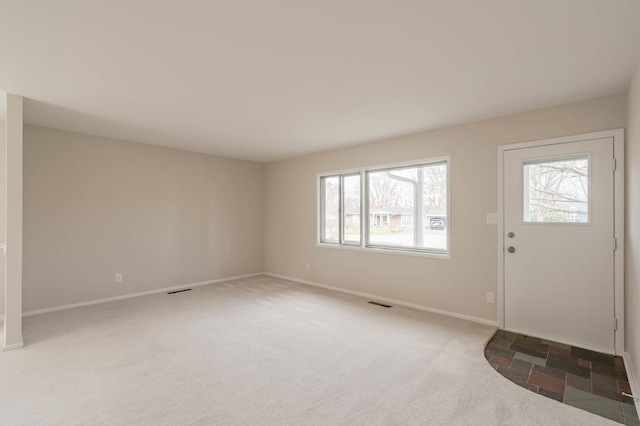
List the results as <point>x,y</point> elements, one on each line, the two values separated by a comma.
<point>558,212</point>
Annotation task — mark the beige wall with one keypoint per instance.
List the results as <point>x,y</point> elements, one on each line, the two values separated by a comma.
<point>458,285</point>
<point>94,207</point>
<point>632,278</point>
<point>3,193</point>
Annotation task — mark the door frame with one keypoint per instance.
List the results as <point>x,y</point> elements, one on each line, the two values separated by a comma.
<point>618,222</point>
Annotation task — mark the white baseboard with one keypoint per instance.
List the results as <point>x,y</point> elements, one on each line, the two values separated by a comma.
<point>388,300</point>
<point>631,376</point>
<point>312,283</point>
<point>12,347</point>
<point>128,296</point>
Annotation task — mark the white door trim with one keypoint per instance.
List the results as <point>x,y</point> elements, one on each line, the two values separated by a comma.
<point>618,149</point>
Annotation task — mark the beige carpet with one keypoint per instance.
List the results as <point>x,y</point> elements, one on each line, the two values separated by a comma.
<point>261,351</point>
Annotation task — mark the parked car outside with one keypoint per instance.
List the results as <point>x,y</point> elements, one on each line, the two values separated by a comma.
<point>436,223</point>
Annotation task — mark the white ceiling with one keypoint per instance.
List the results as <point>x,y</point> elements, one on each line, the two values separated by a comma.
<point>266,80</point>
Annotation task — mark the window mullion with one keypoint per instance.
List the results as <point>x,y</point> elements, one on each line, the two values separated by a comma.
<point>341,210</point>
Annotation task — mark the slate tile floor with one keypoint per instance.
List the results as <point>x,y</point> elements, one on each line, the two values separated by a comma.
<point>585,379</point>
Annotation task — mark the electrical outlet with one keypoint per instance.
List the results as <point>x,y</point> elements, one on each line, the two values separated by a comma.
<point>118,278</point>
<point>492,218</point>
<point>490,298</point>
<point>307,266</point>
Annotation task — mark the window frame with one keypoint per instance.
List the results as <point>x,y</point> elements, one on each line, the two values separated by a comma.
<point>364,244</point>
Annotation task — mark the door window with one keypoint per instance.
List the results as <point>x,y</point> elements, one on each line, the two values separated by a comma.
<point>556,190</point>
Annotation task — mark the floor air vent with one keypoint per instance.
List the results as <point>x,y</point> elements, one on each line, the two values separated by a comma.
<point>379,304</point>
<point>179,291</point>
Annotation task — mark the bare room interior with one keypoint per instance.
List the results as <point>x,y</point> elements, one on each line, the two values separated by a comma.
<point>409,212</point>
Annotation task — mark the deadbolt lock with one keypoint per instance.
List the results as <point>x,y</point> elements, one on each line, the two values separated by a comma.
<point>511,234</point>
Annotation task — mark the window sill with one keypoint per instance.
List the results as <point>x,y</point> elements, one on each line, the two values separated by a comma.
<point>384,251</point>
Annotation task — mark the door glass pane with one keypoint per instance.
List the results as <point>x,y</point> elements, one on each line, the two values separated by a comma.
<point>330,209</point>
<point>351,212</point>
<point>557,190</point>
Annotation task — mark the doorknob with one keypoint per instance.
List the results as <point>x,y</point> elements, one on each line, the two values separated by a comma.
<point>511,249</point>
